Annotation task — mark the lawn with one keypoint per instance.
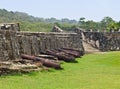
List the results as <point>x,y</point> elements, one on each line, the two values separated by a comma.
<point>93,71</point>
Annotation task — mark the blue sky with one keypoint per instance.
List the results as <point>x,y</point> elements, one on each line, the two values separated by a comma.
<point>72,9</point>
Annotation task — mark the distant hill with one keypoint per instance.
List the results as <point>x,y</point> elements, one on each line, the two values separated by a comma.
<point>31,23</point>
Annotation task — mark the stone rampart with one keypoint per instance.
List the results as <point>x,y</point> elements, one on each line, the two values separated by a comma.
<point>12,43</point>
<point>105,41</point>
<point>33,42</point>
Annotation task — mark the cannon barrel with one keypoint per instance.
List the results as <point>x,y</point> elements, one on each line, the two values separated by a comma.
<point>80,53</point>
<point>61,56</point>
<point>69,52</point>
<point>45,62</point>
<point>24,56</point>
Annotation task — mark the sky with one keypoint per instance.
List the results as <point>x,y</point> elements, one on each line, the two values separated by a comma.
<point>72,9</point>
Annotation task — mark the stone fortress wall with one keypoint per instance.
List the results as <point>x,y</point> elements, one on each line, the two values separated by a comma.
<point>104,41</point>
<point>14,43</point>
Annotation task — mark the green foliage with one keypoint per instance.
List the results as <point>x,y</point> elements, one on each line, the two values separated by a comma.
<point>93,71</point>
<point>27,22</point>
<point>66,26</point>
<point>36,26</point>
<point>30,23</point>
<point>106,23</point>
<point>90,24</point>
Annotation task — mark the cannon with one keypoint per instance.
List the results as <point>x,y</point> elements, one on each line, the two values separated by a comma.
<point>45,62</point>
<point>75,54</point>
<point>75,51</point>
<point>61,55</point>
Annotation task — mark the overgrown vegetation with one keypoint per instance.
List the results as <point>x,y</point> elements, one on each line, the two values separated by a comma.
<point>30,23</point>
<point>93,71</point>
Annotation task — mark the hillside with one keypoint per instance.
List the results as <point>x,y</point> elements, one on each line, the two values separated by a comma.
<point>31,23</point>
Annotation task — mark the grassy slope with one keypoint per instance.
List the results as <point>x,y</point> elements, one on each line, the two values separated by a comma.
<point>94,71</point>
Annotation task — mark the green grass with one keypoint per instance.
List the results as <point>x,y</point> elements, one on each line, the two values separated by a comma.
<point>93,71</point>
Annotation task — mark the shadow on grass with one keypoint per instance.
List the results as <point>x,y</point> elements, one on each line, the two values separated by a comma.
<point>73,61</point>
<point>10,74</point>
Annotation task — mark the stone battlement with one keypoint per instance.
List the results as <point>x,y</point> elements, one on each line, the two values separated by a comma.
<point>13,43</point>
<point>104,41</point>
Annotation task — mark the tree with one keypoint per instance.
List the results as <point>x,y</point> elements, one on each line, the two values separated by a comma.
<point>89,24</point>
<point>82,21</point>
<point>107,23</point>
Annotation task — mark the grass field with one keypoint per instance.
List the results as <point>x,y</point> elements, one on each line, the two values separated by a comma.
<point>93,71</point>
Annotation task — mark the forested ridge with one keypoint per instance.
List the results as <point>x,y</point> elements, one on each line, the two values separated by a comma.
<point>31,23</point>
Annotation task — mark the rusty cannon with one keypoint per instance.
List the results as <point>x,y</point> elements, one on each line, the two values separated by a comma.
<point>45,62</point>
<point>61,55</point>
<point>70,52</point>
<point>74,51</point>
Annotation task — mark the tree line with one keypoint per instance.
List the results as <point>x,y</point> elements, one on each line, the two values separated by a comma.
<point>31,23</point>
<point>107,23</point>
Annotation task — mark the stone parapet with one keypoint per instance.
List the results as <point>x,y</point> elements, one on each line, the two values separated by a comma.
<point>13,44</point>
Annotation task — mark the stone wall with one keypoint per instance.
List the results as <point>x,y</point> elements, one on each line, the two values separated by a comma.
<point>105,41</point>
<point>9,49</point>
<point>34,43</point>
<point>13,44</point>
